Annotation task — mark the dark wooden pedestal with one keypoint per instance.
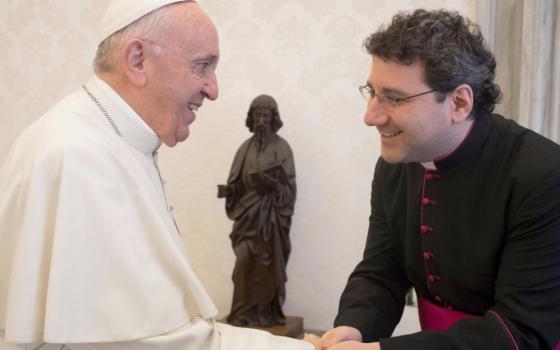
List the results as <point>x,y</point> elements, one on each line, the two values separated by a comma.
<point>293,328</point>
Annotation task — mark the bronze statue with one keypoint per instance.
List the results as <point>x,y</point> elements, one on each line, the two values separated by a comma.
<point>260,196</point>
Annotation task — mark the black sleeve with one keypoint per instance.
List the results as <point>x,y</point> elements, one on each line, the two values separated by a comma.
<point>374,297</point>
<point>526,311</point>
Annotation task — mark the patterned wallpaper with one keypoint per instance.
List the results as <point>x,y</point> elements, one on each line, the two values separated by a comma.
<point>307,54</point>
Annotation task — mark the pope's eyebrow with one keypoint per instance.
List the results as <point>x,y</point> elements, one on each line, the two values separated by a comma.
<point>209,58</point>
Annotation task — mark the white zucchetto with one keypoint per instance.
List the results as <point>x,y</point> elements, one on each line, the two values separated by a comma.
<point>121,13</point>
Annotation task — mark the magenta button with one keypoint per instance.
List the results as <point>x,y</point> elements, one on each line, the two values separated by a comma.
<point>433,278</point>
<point>425,229</point>
<point>428,256</point>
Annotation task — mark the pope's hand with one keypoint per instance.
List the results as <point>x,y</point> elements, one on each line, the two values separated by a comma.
<point>340,334</point>
<point>313,339</point>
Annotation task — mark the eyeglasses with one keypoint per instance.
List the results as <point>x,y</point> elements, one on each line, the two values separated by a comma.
<point>368,94</point>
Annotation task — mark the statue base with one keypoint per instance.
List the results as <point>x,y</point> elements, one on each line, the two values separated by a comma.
<point>293,327</point>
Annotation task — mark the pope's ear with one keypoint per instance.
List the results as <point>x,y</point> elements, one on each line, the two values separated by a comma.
<point>463,100</point>
<point>134,62</point>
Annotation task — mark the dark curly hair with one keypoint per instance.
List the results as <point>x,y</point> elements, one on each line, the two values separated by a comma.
<point>264,101</point>
<point>450,47</point>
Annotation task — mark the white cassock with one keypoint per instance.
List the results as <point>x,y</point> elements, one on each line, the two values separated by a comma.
<point>90,256</point>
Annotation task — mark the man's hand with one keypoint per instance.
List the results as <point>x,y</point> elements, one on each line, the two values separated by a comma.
<point>346,336</point>
<point>355,345</point>
<point>340,338</point>
<point>340,334</point>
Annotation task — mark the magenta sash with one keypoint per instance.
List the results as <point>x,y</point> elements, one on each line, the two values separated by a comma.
<point>436,317</point>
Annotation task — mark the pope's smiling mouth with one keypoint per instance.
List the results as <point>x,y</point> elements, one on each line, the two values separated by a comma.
<point>193,107</point>
<point>391,134</point>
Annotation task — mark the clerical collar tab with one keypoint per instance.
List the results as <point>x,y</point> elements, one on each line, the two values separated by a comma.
<point>429,166</point>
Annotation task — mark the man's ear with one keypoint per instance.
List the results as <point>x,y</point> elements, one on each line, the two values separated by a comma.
<point>462,99</point>
<point>134,62</point>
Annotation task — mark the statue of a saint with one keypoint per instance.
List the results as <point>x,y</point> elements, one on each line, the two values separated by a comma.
<point>260,196</point>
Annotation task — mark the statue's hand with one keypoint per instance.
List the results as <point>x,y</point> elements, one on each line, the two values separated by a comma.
<point>223,191</point>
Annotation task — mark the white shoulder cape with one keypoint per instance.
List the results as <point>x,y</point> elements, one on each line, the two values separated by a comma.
<point>83,223</point>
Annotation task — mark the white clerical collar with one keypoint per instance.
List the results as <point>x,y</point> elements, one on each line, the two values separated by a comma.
<point>131,126</point>
<point>429,166</point>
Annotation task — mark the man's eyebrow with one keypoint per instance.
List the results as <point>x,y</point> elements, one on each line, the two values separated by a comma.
<point>393,91</point>
<point>388,90</point>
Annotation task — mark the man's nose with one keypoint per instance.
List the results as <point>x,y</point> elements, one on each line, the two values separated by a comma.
<point>375,114</point>
<point>210,88</point>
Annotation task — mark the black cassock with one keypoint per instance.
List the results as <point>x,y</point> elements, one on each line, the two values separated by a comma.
<point>479,234</point>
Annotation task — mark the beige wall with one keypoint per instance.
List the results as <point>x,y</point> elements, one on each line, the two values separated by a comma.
<point>307,54</point>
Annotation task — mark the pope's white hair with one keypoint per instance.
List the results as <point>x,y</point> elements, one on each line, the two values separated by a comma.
<point>149,27</point>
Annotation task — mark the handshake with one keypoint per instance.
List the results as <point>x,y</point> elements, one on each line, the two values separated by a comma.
<point>340,338</point>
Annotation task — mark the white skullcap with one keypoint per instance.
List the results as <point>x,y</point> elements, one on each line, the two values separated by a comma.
<point>121,13</point>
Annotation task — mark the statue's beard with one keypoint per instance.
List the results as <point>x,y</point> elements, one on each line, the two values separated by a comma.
<point>262,136</point>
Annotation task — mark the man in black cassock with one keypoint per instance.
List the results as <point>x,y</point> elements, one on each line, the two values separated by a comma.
<point>465,203</point>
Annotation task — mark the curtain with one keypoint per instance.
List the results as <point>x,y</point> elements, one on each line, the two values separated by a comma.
<point>525,38</point>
